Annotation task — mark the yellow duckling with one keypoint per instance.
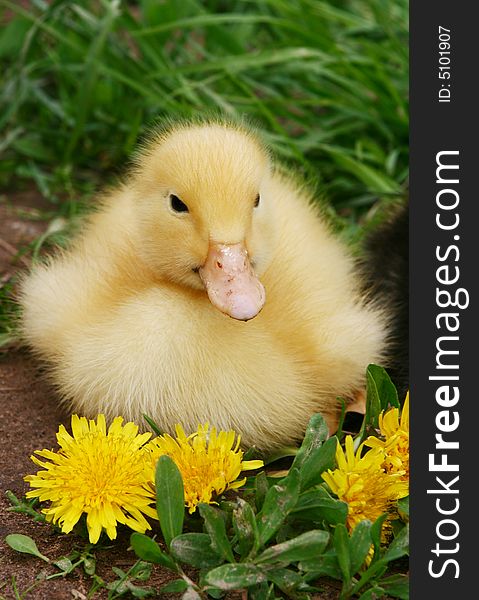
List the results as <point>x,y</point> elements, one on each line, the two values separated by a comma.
<point>205,288</point>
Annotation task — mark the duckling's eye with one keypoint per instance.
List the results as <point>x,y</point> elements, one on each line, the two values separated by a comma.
<point>256,201</point>
<point>177,205</point>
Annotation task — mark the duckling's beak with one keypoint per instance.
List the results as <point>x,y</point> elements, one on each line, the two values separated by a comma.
<point>230,281</point>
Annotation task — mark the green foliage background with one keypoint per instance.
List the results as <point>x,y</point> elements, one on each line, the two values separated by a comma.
<point>325,81</point>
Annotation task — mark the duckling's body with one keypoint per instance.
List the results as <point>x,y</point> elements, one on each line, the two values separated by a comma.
<point>125,321</point>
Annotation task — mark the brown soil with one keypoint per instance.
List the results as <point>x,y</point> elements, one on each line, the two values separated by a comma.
<point>29,417</point>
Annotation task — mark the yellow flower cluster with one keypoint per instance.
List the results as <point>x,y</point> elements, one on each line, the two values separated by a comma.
<point>373,481</point>
<point>209,462</point>
<point>109,474</point>
<point>396,440</point>
<point>97,472</point>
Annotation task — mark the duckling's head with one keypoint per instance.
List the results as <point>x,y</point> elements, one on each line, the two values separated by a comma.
<point>204,212</point>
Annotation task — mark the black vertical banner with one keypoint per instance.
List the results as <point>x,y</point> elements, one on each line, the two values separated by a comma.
<point>444,325</point>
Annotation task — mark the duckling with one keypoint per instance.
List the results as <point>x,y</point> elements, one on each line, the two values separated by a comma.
<point>205,288</point>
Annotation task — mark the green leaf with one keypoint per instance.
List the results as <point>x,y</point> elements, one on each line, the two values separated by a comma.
<point>396,526</point>
<point>326,564</point>
<point>403,508</point>
<point>233,577</point>
<point>373,593</point>
<point>399,546</point>
<point>373,404</point>
<point>286,579</point>
<point>385,388</point>
<point>139,592</point>
<point>174,587</point>
<point>316,433</point>
<point>251,454</point>
<point>375,570</point>
<point>261,489</point>
<point>153,426</point>
<point>64,564</point>
<point>141,570</point>
<point>195,549</point>
<point>32,146</point>
<point>147,549</point>
<point>279,502</point>
<point>381,393</point>
<point>317,462</point>
<point>304,546</point>
<point>215,593</point>
<point>170,498</point>
<point>25,544</point>
<point>12,37</point>
<point>376,530</point>
<point>377,182</point>
<point>89,565</point>
<point>339,430</point>
<point>215,527</point>
<point>318,505</point>
<point>261,591</point>
<point>245,528</point>
<point>396,585</point>
<point>341,545</point>
<point>359,545</point>
<point>274,455</point>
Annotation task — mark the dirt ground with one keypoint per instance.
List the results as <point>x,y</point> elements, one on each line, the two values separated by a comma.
<point>29,417</point>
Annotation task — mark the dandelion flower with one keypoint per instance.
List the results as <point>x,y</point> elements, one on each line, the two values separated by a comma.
<point>395,432</point>
<point>362,482</point>
<point>209,462</point>
<point>97,472</point>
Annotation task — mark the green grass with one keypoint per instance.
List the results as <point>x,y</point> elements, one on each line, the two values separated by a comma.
<point>326,82</point>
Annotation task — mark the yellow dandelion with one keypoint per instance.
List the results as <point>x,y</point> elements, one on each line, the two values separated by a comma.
<point>209,462</point>
<point>97,472</point>
<point>395,444</point>
<point>362,482</point>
